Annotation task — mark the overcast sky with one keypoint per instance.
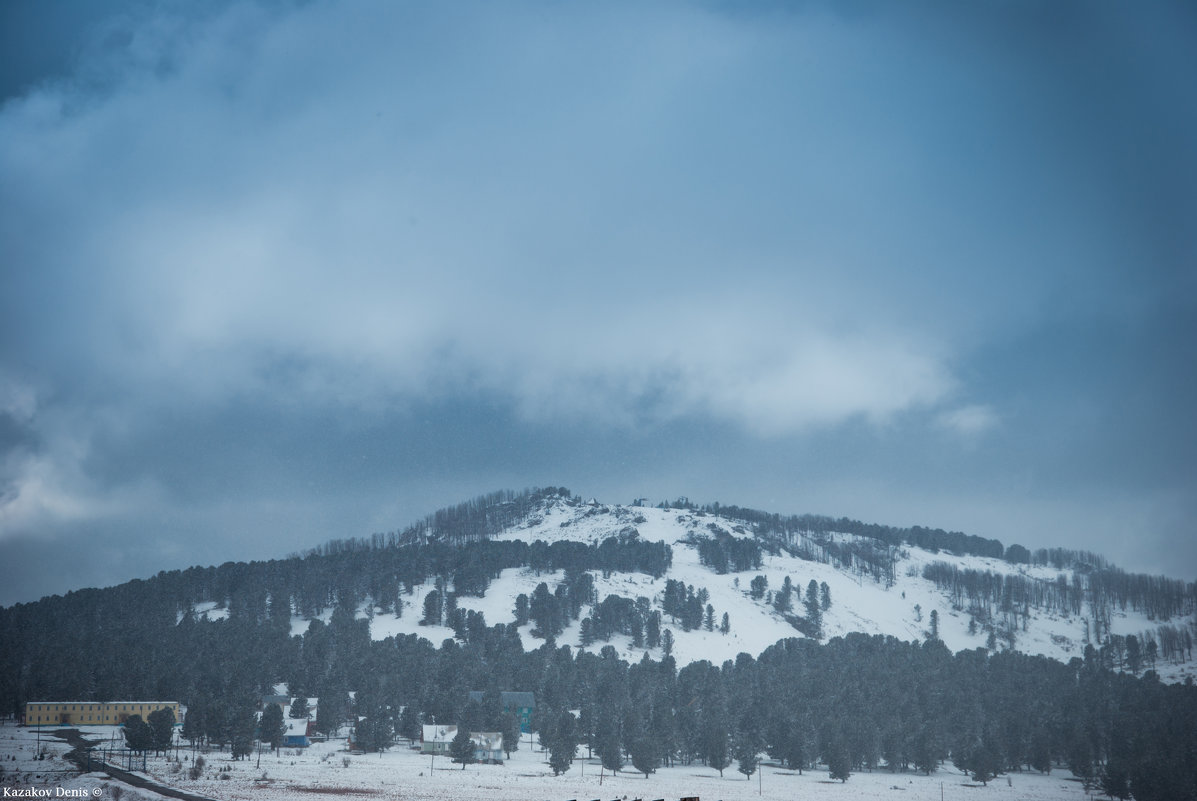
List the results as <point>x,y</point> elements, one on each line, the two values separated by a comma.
<point>275,273</point>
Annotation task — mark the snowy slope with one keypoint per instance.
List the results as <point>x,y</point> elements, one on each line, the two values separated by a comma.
<point>858,604</point>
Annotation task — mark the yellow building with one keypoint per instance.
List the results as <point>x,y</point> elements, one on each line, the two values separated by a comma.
<point>92,713</point>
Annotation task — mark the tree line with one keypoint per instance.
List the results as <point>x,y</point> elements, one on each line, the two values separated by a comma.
<point>1002,601</point>
<point>855,703</point>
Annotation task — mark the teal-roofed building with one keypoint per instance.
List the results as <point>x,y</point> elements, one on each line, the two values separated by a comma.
<point>520,703</point>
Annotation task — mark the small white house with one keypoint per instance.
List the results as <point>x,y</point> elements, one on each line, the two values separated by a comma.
<point>488,745</point>
<point>436,739</point>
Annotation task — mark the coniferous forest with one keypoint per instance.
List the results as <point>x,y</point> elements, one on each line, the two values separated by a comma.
<point>851,704</point>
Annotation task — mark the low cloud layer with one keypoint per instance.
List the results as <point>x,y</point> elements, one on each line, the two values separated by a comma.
<point>388,219</point>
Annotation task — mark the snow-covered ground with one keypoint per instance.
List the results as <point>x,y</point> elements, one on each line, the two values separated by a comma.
<point>858,605</point>
<point>403,773</point>
<point>54,776</point>
<point>862,605</point>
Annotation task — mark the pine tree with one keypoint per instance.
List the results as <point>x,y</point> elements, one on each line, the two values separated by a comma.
<point>979,757</point>
<point>839,763</point>
<point>814,613</point>
<point>138,735</point>
<point>644,754</point>
<point>271,727</point>
<point>796,754</point>
<point>1040,754</point>
<point>409,723</point>
<point>747,755</point>
<point>725,626</point>
<point>473,717</point>
<point>162,729</point>
<point>1115,779</point>
<point>545,612</point>
<point>564,744</point>
<point>784,598</point>
<point>300,708</point>
<point>715,725</point>
<point>450,609</point>
<point>607,740</point>
<point>922,751</point>
<point>674,598</point>
<point>510,729</point>
<point>218,724</point>
<point>456,620</point>
<point>241,732</point>
<point>717,751</point>
<point>375,732</point>
<point>193,722</point>
<point>934,624</point>
<point>661,725</point>
<point>985,762</point>
<point>1079,755</point>
<point>433,612</point>
<point>461,749</point>
<point>1134,654</point>
<point>332,711</point>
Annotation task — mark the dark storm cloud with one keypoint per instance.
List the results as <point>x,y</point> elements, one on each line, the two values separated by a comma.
<point>281,272</point>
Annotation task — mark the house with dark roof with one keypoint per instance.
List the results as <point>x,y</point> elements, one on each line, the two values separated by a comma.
<point>521,703</point>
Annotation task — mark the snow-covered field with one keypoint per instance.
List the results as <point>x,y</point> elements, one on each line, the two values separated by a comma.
<point>53,776</point>
<point>402,773</point>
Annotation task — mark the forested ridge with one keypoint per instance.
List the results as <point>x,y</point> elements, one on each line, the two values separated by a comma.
<point>854,703</point>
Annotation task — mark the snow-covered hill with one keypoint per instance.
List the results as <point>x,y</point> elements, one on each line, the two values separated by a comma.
<point>859,603</point>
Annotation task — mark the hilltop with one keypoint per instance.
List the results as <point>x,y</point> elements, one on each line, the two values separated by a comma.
<point>1052,603</point>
